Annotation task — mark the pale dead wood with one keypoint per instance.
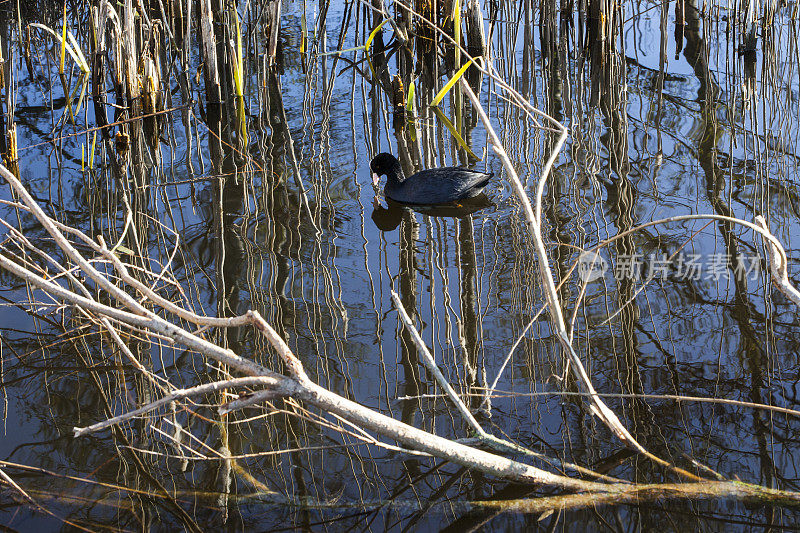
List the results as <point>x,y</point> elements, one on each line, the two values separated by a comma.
<point>298,386</point>
<point>533,223</point>
<point>778,264</point>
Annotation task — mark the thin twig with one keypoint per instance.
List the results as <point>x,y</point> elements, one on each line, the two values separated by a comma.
<point>179,394</point>
<point>430,364</point>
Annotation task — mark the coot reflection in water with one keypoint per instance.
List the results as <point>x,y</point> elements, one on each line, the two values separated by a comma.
<point>388,218</point>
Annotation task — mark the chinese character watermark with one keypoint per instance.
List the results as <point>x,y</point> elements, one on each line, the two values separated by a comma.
<point>591,266</point>
<point>679,266</point>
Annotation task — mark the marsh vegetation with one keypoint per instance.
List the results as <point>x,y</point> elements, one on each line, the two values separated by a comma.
<point>212,318</point>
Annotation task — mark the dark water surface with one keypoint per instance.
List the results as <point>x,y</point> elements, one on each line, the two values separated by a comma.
<point>673,122</point>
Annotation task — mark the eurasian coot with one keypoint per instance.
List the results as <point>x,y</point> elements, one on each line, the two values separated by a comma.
<point>433,186</point>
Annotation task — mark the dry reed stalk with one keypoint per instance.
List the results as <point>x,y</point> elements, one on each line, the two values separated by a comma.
<point>209,53</point>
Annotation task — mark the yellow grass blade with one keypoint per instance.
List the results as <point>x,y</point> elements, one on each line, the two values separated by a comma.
<point>91,155</point>
<point>63,42</point>
<point>450,84</point>
<point>303,33</point>
<point>373,34</point>
<point>238,63</point>
<point>454,133</point>
<point>457,29</point>
<point>364,47</point>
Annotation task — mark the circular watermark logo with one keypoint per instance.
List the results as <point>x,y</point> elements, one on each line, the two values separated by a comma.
<point>591,266</point>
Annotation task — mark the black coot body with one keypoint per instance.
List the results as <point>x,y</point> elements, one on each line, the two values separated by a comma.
<point>434,186</point>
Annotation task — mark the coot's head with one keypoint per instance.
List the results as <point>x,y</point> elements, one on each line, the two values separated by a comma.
<point>385,164</point>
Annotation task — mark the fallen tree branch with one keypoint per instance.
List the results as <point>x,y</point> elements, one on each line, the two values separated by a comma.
<point>596,405</point>
<point>298,386</point>
<point>179,394</point>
